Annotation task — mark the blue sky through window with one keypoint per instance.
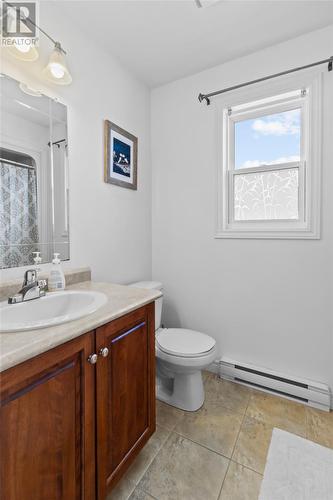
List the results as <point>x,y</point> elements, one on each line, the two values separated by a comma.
<point>269,139</point>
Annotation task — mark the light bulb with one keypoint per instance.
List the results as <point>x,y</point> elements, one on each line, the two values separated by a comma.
<point>23,51</point>
<point>23,48</point>
<point>57,70</point>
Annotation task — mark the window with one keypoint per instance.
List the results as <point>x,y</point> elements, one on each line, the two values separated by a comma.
<point>269,170</point>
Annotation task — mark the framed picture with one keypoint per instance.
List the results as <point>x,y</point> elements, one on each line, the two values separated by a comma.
<point>120,156</point>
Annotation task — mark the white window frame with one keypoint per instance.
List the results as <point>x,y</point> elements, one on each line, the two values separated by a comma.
<point>299,91</point>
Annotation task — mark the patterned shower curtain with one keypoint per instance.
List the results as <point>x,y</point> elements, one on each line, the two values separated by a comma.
<point>18,215</point>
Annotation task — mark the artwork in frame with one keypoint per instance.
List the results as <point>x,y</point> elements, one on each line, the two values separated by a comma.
<point>120,156</point>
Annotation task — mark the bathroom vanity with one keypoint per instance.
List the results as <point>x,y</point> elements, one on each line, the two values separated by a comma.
<point>78,399</point>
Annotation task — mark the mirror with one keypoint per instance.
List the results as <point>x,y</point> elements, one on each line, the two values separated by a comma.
<point>33,176</point>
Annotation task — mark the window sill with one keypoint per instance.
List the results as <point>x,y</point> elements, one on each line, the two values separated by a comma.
<point>268,235</point>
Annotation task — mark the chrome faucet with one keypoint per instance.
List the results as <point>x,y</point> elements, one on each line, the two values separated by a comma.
<point>32,288</point>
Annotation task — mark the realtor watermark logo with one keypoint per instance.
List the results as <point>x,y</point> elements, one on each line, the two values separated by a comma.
<point>19,24</point>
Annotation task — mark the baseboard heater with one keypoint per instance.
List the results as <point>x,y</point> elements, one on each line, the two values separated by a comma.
<point>305,391</point>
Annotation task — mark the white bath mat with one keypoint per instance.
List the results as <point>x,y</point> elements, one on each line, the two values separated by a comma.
<point>297,469</point>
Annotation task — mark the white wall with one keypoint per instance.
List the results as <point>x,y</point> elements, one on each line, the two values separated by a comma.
<point>110,227</point>
<point>267,302</point>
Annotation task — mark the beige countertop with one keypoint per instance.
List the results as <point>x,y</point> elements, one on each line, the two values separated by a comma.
<point>16,347</point>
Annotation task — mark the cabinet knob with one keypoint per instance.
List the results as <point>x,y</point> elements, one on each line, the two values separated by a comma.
<point>92,359</point>
<point>104,352</point>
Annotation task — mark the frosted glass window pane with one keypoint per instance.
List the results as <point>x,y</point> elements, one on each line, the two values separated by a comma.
<point>268,140</point>
<point>266,195</point>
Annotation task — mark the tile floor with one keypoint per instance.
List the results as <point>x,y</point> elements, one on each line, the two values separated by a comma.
<point>218,452</point>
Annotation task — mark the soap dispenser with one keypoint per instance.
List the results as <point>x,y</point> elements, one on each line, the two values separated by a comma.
<point>56,278</point>
<point>37,258</point>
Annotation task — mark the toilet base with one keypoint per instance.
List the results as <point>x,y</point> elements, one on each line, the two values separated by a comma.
<point>184,390</point>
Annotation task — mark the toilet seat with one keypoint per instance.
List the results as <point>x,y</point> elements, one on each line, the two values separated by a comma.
<point>184,343</point>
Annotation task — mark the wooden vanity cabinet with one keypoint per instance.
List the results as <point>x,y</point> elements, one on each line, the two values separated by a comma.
<point>125,393</point>
<point>47,425</point>
<point>70,425</point>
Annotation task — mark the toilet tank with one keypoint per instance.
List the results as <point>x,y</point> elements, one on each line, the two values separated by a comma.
<point>153,285</point>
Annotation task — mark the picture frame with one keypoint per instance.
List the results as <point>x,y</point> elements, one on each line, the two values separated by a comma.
<point>120,156</point>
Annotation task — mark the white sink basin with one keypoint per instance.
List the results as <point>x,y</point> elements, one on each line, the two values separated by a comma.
<point>51,310</point>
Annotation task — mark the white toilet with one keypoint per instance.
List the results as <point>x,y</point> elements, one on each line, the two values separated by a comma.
<point>181,354</point>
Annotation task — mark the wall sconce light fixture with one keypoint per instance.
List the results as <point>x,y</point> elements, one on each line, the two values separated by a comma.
<point>56,70</point>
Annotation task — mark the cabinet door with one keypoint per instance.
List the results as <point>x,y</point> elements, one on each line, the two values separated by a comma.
<point>47,425</point>
<point>125,393</point>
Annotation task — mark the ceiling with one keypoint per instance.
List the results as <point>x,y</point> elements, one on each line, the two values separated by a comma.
<point>163,40</point>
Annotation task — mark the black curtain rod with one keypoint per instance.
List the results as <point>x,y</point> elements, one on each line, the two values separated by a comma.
<point>57,143</point>
<point>206,97</point>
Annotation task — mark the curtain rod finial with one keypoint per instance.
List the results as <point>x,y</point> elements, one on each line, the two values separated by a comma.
<point>330,64</point>
<point>202,97</point>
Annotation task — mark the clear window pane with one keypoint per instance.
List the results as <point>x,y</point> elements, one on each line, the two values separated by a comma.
<point>268,140</point>
<point>268,195</point>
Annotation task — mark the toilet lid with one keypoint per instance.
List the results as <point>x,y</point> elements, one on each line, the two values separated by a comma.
<point>182,342</point>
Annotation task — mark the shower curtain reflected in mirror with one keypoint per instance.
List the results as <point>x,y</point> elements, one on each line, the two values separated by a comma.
<point>18,215</point>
